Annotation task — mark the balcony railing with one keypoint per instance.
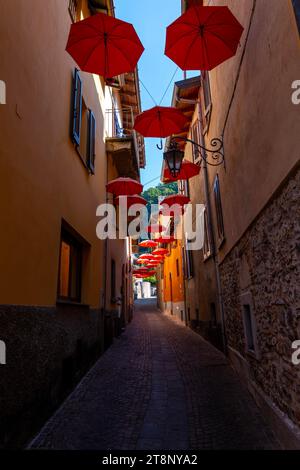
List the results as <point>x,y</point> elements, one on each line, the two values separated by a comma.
<point>119,122</point>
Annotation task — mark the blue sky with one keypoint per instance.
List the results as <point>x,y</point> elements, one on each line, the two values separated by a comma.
<point>150,19</point>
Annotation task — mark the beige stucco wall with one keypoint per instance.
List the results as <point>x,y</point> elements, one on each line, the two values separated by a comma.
<point>260,139</point>
<point>42,177</point>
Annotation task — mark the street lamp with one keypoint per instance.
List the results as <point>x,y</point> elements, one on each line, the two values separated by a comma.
<point>174,156</point>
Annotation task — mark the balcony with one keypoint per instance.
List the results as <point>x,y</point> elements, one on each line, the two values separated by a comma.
<point>122,142</point>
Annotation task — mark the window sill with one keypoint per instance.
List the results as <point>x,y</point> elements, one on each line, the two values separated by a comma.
<point>72,303</point>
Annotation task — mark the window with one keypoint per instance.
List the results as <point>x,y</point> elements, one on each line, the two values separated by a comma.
<point>83,126</point>
<point>188,263</point>
<point>213,314</point>
<point>249,324</point>
<point>177,267</point>
<point>69,286</point>
<point>248,328</point>
<point>196,137</point>
<point>113,281</point>
<point>207,237</point>
<point>184,187</point>
<point>206,104</point>
<point>296,5</point>
<point>219,212</point>
<point>91,142</point>
<point>77,108</point>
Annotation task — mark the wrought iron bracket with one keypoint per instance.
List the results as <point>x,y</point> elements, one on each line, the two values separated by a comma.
<point>216,150</point>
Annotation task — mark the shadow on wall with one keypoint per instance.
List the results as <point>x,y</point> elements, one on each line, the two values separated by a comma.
<point>48,350</point>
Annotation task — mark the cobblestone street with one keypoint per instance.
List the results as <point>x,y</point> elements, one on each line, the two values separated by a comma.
<point>160,386</point>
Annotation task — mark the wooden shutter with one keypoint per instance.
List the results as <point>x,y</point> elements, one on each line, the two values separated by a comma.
<point>91,142</point>
<point>77,107</point>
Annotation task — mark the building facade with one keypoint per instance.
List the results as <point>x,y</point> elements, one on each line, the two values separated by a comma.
<point>59,304</point>
<point>243,291</point>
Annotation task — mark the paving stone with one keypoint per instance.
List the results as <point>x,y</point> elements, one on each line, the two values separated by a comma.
<point>159,387</point>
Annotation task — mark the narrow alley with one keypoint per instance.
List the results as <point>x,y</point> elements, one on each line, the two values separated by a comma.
<point>160,386</point>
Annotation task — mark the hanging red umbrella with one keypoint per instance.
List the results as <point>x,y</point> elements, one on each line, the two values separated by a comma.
<point>203,37</point>
<point>148,244</point>
<point>155,228</point>
<point>188,170</point>
<point>161,251</point>
<point>165,240</point>
<point>142,261</point>
<point>124,187</point>
<point>104,45</point>
<point>175,199</point>
<point>132,200</point>
<point>159,258</point>
<point>160,122</point>
<point>147,256</point>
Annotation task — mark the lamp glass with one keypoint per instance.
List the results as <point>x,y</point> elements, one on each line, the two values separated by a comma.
<point>173,158</point>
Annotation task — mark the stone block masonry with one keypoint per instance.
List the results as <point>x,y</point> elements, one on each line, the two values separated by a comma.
<point>265,267</point>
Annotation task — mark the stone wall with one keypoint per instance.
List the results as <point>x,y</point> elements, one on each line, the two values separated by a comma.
<point>265,264</point>
<point>48,350</point>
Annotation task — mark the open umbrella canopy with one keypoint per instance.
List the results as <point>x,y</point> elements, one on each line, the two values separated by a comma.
<point>160,122</point>
<point>159,258</point>
<point>155,228</point>
<point>131,200</point>
<point>104,45</point>
<point>175,199</point>
<point>203,37</point>
<point>165,239</point>
<point>148,244</point>
<point>161,251</point>
<point>124,187</point>
<point>188,170</point>
<point>142,261</point>
<point>147,256</point>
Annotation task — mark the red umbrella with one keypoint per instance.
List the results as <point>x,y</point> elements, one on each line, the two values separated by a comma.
<point>165,240</point>
<point>148,244</point>
<point>203,37</point>
<point>132,200</point>
<point>147,256</point>
<point>160,122</point>
<point>161,251</point>
<point>178,199</point>
<point>159,258</point>
<point>188,170</point>
<point>124,187</point>
<point>155,228</point>
<point>104,45</point>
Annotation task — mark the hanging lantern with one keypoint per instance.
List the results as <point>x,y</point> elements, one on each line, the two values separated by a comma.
<point>173,158</point>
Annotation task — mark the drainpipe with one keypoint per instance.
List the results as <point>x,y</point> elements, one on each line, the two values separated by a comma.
<point>213,244</point>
